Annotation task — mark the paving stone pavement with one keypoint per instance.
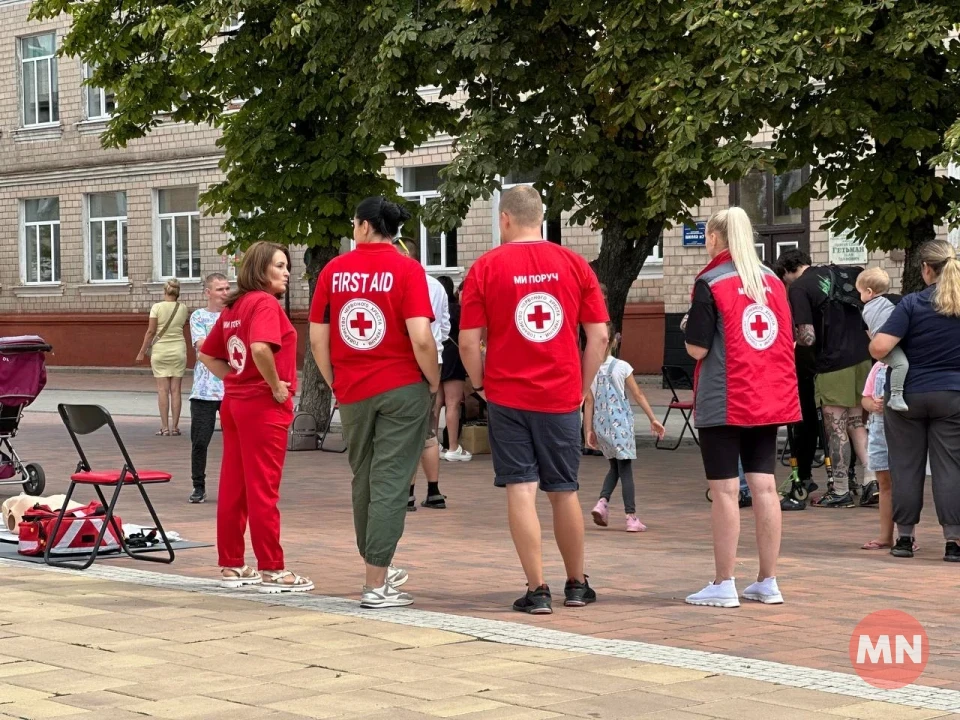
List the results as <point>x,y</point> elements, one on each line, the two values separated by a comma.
<point>75,644</point>
<point>464,565</point>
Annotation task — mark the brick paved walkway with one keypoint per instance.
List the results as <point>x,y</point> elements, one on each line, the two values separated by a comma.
<point>73,645</point>
<point>465,563</point>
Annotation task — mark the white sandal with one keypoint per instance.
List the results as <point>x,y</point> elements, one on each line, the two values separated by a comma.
<point>239,577</point>
<point>275,582</point>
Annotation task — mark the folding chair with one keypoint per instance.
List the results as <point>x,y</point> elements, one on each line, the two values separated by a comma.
<point>83,420</point>
<point>675,375</point>
<point>323,438</point>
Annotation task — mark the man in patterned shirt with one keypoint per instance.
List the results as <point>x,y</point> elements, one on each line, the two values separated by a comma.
<point>207,388</point>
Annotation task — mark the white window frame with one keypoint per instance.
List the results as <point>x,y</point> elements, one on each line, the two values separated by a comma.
<point>193,244</point>
<point>99,92</point>
<point>52,80</point>
<point>122,230</point>
<point>54,226</point>
<point>233,23</point>
<point>422,198</point>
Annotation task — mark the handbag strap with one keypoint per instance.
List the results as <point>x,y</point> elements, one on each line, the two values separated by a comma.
<point>166,325</point>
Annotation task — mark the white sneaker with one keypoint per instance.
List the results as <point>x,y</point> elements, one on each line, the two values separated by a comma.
<point>384,597</point>
<point>722,595</point>
<point>396,576</point>
<point>766,592</point>
<point>458,455</point>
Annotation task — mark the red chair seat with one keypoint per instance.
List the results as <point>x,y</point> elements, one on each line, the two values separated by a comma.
<point>112,477</point>
<point>682,405</point>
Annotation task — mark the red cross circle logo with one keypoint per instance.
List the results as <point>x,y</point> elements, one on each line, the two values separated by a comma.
<point>539,317</point>
<point>236,354</point>
<point>362,324</point>
<point>760,327</point>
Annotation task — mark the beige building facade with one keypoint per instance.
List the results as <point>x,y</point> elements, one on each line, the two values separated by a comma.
<point>88,235</point>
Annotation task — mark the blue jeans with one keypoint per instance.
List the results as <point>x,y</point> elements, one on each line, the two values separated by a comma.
<point>744,488</point>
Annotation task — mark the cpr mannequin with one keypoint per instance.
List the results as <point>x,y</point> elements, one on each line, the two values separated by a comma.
<point>14,508</point>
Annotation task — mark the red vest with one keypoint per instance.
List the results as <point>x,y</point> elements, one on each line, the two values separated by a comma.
<point>749,377</point>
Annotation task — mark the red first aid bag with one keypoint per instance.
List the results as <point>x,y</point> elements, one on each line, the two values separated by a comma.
<point>77,533</point>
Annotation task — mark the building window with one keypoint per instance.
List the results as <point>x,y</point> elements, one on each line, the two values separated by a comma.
<point>38,73</point>
<point>107,231</point>
<point>656,253</point>
<point>438,250</point>
<point>100,103</point>
<point>179,218</point>
<point>41,240</point>
<point>234,22</point>
<point>764,197</point>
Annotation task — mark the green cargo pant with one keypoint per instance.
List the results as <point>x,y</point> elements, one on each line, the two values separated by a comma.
<point>385,436</point>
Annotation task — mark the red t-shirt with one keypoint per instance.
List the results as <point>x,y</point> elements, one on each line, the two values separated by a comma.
<point>255,317</point>
<point>531,297</point>
<point>366,296</point>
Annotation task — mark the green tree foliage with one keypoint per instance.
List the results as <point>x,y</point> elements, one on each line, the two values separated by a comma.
<point>297,158</point>
<point>862,92</point>
<point>559,89</point>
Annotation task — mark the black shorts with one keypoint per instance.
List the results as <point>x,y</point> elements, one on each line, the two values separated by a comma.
<point>528,446</point>
<point>722,446</point>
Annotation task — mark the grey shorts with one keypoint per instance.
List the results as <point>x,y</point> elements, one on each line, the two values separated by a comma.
<point>530,446</point>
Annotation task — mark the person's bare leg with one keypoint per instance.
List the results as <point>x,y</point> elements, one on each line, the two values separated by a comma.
<point>376,576</point>
<point>452,397</point>
<point>766,509</point>
<point>430,461</point>
<point>725,523</point>
<point>838,438</point>
<point>568,531</point>
<point>525,530</point>
<point>886,507</point>
<point>176,400</point>
<point>163,400</point>
<point>857,433</point>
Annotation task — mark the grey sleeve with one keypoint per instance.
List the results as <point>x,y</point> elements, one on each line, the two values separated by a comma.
<point>876,313</point>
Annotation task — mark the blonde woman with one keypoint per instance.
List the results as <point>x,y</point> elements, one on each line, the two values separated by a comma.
<point>740,332</point>
<point>927,325</point>
<point>168,353</point>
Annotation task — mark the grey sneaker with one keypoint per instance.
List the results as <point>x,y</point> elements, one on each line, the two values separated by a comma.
<point>396,576</point>
<point>384,597</point>
<point>897,403</point>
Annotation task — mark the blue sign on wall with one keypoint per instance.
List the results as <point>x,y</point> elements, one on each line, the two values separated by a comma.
<point>693,237</point>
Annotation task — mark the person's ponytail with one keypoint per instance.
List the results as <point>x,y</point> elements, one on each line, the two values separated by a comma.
<point>385,217</point>
<point>733,225</point>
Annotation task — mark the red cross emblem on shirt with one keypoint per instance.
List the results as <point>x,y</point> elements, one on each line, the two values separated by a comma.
<point>539,317</point>
<point>361,324</point>
<point>238,356</point>
<point>759,326</point>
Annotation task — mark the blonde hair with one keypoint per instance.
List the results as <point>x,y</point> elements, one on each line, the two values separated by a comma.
<point>524,204</point>
<point>875,279</point>
<point>172,288</point>
<point>941,258</point>
<point>735,231</point>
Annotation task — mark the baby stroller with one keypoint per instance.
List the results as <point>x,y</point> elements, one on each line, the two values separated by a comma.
<point>22,376</point>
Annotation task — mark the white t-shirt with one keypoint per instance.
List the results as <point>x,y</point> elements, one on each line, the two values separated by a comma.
<point>618,370</point>
<point>441,313</point>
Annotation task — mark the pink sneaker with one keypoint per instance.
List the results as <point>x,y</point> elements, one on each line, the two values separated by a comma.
<point>600,512</point>
<point>634,524</point>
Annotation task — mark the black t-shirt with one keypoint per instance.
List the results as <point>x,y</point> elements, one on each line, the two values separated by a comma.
<point>841,335</point>
<point>702,318</point>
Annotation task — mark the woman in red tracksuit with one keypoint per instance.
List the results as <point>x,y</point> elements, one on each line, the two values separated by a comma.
<point>253,349</point>
<point>740,331</point>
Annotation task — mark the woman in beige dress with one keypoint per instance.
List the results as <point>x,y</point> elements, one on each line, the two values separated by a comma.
<point>168,356</point>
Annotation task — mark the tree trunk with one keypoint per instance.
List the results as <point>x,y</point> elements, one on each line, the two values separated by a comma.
<point>620,261</point>
<point>315,394</point>
<point>920,233</point>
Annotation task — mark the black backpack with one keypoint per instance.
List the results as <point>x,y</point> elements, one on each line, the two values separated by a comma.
<point>843,286</point>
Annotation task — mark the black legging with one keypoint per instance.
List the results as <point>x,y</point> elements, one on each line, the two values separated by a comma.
<point>806,433</point>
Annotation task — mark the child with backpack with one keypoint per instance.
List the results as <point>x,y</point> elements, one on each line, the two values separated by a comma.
<point>608,418</point>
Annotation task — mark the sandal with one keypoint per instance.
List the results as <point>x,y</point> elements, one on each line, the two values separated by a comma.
<point>162,431</point>
<point>234,578</point>
<point>276,582</point>
<point>175,431</point>
<point>875,545</point>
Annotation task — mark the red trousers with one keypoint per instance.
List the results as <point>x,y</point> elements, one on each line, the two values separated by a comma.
<point>254,448</point>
